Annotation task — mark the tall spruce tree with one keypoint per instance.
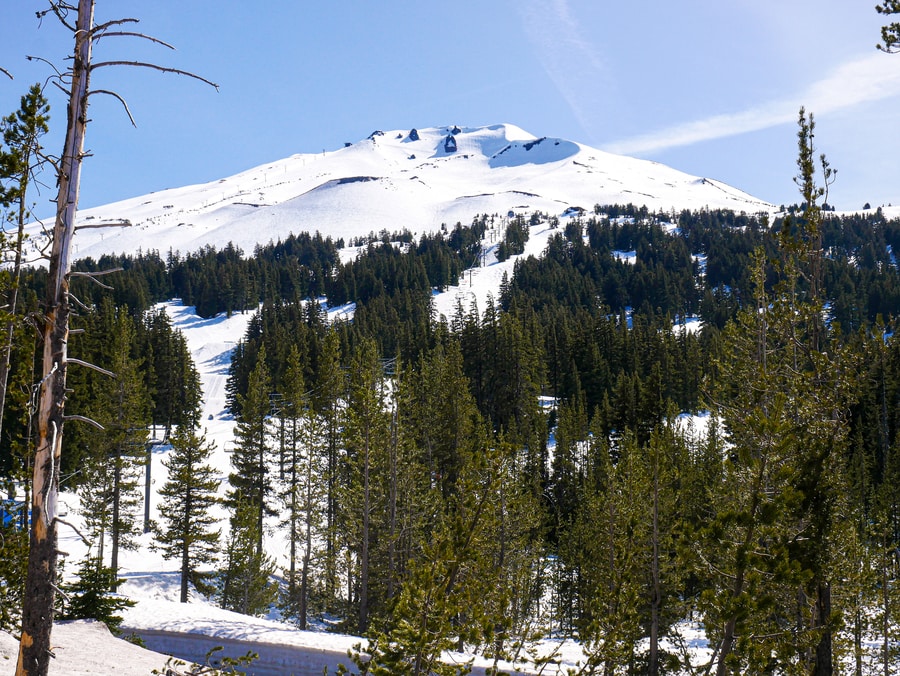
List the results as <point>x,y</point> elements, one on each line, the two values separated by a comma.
<point>20,159</point>
<point>171,374</point>
<point>785,391</point>
<point>110,496</point>
<point>303,492</point>
<point>245,581</point>
<point>251,460</point>
<point>328,401</point>
<point>186,532</point>
<point>366,439</point>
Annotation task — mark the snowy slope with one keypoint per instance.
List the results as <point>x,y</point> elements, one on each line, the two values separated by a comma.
<point>189,631</point>
<point>393,180</point>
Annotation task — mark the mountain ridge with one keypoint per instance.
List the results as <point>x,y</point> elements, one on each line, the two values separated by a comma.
<point>416,179</point>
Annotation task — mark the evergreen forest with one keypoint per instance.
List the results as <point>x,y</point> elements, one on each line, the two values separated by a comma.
<point>666,419</point>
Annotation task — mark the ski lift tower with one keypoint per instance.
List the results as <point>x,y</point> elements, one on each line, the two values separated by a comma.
<point>151,442</point>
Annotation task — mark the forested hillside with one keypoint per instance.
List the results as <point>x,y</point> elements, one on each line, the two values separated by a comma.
<point>522,467</point>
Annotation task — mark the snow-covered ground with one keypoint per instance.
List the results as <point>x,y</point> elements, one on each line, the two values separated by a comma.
<point>396,180</point>
<point>392,180</point>
<point>186,630</point>
<point>86,648</point>
<point>190,630</point>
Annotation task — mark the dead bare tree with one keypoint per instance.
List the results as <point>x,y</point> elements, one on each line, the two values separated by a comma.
<point>40,587</point>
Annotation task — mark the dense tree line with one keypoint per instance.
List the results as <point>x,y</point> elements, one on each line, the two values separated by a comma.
<point>517,465</point>
<point>777,528</point>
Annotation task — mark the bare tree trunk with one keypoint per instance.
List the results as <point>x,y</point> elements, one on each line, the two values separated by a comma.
<point>185,553</point>
<point>292,575</point>
<point>885,610</point>
<point>392,507</point>
<point>116,516</point>
<point>37,614</point>
<point>364,545</point>
<point>307,551</point>
<point>824,659</point>
<point>656,593</point>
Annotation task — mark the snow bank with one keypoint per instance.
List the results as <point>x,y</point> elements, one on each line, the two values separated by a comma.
<point>86,648</point>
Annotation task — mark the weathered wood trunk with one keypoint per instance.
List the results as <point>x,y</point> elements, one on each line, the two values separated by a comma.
<point>185,552</point>
<point>656,591</point>
<point>824,658</point>
<point>37,616</point>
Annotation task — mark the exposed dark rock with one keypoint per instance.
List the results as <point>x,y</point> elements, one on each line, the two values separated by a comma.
<point>355,179</point>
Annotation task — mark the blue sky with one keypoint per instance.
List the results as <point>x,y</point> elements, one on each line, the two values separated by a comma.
<point>709,87</point>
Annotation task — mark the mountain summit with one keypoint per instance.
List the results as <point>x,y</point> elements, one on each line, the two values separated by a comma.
<point>415,179</point>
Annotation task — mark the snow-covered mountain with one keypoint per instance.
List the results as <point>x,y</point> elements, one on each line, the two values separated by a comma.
<point>412,179</point>
<point>391,180</point>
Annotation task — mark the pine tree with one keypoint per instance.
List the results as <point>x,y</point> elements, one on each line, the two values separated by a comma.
<point>245,581</point>
<point>667,458</point>
<point>785,388</point>
<point>187,496</point>
<point>251,460</point>
<point>304,492</point>
<point>445,600</point>
<point>92,595</point>
<point>608,545</point>
<point>885,543</point>
<point>22,132</point>
<point>366,439</point>
<point>890,33</point>
<point>13,560</point>
<point>775,511</point>
<point>111,496</point>
<point>328,401</point>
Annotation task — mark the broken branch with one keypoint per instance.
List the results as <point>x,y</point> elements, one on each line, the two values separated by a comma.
<point>61,10</point>
<point>121,100</point>
<point>85,419</point>
<point>78,532</point>
<point>74,299</point>
<point>43,60</point>
<point>72,360</point>
<point>101,28</point>
<point>164,69</point>
<point>99,273</point>
<point>129,34</point>
<point>95,281</point>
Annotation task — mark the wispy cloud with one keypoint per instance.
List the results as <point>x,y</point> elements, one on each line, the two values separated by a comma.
<point>573,65</point>
<point>871,78</point>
